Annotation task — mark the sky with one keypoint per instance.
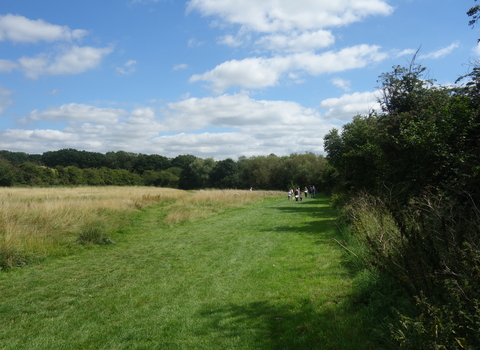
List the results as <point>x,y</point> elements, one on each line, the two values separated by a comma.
<point>211,78</point>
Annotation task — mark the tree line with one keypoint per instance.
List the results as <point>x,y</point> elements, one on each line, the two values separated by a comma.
<point>71,167</point>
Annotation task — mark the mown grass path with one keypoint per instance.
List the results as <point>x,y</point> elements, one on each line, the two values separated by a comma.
<point>267,276</point>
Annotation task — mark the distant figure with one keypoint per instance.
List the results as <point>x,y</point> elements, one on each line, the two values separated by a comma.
<point>251,189</point>
<point>306,192</point>
<point>296,194</point>
<point>314,191</point>
<point>289,193</point>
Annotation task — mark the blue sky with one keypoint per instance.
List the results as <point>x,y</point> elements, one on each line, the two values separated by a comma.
<point>212,78</point>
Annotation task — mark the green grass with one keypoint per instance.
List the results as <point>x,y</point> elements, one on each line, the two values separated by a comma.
<point>267,276</point>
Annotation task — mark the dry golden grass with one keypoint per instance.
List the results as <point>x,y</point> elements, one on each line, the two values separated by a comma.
<point>39,221</point>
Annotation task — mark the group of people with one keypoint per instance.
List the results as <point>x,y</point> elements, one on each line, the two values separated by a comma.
<point>298,194</point>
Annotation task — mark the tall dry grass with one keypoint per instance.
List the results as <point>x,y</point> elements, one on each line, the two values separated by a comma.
<point>39,222</point>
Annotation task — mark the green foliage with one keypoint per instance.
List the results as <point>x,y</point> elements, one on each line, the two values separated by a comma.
<point>418,161</point>
<point>225,174</point>
<point>73,157</point>
<point>355,153</point>
<point>425,139</point>
<point>160,179</point>
<point>69,167</point>
<point>8,173</point>
<point>474,12</point>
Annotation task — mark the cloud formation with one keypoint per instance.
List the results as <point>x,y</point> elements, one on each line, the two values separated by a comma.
<point>442,52</point>
<point>261,72</point>
<point>73,60</point>
<point>342,109</point>
<point>66,59</point>
<point>128,68</point>
<point>20,29</point>
<point>296,41</point>
<point>341,83</point>
<point>269,16</point>
<point>222,126</point>
<point>74,112</point>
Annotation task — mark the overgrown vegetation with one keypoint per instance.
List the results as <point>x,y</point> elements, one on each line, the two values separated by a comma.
<point>408,182</point>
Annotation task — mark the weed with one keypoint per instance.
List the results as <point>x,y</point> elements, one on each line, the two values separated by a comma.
<point>93,233</point>
<point>10,257</point>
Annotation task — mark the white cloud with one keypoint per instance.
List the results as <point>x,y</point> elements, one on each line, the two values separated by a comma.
<point>243,125</point>
<point>195,43</point>
<point>74,112</point>
<point>230,40</point>
<point>53,92</point>
<point>142,116</point>
<point>262,119</point>
<point>21,29</point>
<point>347,106</point>
<point>128,68</point>
<point>342,83</point>
<point>254,73</point>
<point>406,52</point>
<point>247,73</point>
<point>72,61</point>
<point>5,100</point>
<point>475,50</point>
<point>7,66</point>
<point>180,66</point>
<point>297,42</point>
<point>270,16</point>
<point>442,52</point>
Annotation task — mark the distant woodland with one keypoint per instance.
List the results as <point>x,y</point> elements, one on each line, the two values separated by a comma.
<point>70,167</point>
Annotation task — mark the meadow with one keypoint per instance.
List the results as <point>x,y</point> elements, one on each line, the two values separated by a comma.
<point>39,222</point>
<point>188,270</point>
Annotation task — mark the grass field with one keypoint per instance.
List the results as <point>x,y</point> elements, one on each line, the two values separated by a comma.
<point>261,275</point>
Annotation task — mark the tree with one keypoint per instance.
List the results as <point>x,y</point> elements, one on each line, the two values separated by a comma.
<point>154,162</point>
<point>225,174</point>
<point>200,170</point>
<point>15,158</point>
<point>7,173</point>
<point>355,153</point>
<point>403,88</point>
<point>474,13</point>
<point>182,161</point>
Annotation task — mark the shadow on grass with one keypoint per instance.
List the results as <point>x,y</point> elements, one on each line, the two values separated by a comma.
<point>279,325</point>
<point>323,224</point>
